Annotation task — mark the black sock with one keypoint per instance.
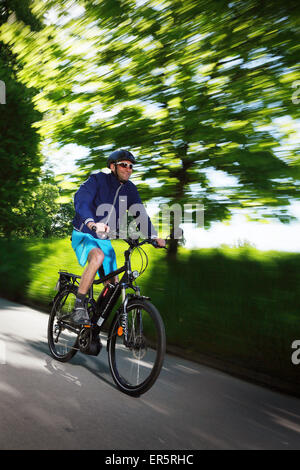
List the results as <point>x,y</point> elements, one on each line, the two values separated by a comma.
<point>80,300</point>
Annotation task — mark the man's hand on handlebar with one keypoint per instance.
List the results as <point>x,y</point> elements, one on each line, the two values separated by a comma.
<point>98,227</point>
<point>160,242</point>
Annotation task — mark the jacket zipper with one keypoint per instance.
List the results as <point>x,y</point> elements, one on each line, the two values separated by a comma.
<point>113,204</point>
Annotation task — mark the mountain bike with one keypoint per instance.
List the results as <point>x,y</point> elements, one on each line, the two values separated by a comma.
<point>135,338</point>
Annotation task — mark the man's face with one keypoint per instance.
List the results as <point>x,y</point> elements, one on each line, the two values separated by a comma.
<point>122,173</point>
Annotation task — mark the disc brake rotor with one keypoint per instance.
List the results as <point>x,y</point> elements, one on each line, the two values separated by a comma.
<point>139,348</point>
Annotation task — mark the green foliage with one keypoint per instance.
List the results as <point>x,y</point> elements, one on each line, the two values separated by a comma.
<point>41,214</point>
<point>19,153</point>
<point>188,86</point>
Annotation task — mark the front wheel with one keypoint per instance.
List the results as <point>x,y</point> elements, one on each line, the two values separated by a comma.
<point>136,347</point>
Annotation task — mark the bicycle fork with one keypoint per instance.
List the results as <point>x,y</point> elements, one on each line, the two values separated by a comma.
<point>124,316</point>
<point>136,326</point>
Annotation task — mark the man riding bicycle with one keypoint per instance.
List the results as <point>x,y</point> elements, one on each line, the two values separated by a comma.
<point>110,194</point>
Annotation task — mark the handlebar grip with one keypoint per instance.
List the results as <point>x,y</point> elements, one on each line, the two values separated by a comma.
<point>101,235</point>
<point>155,244</point>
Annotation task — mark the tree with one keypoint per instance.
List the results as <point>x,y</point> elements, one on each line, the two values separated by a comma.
<point>189,87</point>
<point>19,152</point>
<point>42,215</point>
<point>214,75</point>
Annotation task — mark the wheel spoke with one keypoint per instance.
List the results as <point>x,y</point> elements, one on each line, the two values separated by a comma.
<point>62,338</point>
<point>136,361</point>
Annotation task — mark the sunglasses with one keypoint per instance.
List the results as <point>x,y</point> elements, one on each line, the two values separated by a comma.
<point>125,165</point>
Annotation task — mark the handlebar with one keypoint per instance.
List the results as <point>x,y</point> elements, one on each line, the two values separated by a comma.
<point>131,242</point>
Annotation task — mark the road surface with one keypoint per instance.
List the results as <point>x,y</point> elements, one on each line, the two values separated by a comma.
<point>50,405</point>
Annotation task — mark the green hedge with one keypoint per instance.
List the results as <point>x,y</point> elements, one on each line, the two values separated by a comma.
<point>238,306</point>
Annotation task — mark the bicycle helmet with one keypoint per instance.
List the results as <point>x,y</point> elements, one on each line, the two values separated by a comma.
<point>119,155</point>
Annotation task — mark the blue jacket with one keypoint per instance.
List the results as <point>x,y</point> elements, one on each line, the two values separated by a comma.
<point>101,189</point>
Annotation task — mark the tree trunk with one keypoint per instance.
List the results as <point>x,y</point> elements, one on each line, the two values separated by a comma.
<point>172,249</point>
<point>173,243</point>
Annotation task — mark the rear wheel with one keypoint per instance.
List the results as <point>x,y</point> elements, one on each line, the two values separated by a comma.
<point>136,358</point>
<point>63,338</point>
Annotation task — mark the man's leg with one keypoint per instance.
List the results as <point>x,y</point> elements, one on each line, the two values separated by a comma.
<point>95,260</point>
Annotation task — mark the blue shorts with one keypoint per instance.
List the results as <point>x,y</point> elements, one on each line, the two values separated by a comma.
<point>83,243</point>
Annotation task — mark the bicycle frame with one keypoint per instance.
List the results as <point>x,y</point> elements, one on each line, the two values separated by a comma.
<point>121,286</point>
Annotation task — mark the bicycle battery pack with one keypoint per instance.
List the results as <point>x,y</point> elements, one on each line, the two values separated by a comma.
<point>106,301</point>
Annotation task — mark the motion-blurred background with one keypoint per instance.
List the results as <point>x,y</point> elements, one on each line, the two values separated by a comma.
<point>206,94</point>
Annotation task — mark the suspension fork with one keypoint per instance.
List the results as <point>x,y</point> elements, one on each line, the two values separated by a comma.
<point>124,315</point>
<point>136,319</point>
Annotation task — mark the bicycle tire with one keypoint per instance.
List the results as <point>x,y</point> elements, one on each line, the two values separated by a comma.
<point>68,351</point>
<point>128,364</point>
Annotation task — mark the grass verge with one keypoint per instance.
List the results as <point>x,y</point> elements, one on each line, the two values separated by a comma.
<point>239,307</point>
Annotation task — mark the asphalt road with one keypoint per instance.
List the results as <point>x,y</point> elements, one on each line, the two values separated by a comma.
<point>45,404</point>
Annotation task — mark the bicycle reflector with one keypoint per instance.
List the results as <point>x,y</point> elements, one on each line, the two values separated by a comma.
<point>120,331</point>
<point>106,289</point>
